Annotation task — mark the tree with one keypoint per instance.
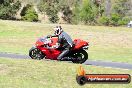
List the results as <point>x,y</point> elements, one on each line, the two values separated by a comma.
<point>51,8</point>
<point>67,13</point>
<point>104,20</point>
<point>42,6</point>
<point>75,13</point>
<point>107,8</point>
<point>88,12</point>
<point>52,13</point>
<point>121,7</point>
<point>120,10</point>
<point>99,6</point>
<point>29,14</point>
<point>114,19</point>
<point>8,9</point>
<point>1,1</point>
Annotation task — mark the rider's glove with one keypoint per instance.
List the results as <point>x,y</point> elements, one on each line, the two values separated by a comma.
<point>49,36</point>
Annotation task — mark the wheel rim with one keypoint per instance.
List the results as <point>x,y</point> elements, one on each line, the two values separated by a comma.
<point>37,54</point>
<point>80,57</point>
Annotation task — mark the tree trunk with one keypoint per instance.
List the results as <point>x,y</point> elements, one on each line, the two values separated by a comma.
<point>108,7</point>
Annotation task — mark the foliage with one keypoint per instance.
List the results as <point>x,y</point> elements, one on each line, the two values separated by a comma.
<point>88,12</point>
<point>114,19</point>
<point>8,9</point>
<point>29,14</point>
<point>124,21</point>
<point>66,7</point>
<point>75,13</point>
<point>122,7</point>
<point>42,6</point>
<point>52,13</point>
<point>51,9</point>
<point>100,7</point>
<point>104,20</point>
<point>67,13</point>
<point>54,6</point>
<point>23,12</point>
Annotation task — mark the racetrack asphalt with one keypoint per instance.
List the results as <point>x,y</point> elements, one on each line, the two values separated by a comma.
<point>88,62</point>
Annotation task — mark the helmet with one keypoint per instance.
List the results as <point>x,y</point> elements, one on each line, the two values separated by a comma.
<point>58,30</point>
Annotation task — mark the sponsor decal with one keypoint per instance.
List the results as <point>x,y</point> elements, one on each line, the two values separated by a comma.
<point>83,78</point>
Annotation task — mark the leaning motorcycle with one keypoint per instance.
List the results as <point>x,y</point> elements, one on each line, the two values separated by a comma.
<point>42,50</point>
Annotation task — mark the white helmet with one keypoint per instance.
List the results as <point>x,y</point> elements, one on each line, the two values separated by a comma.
<point>58,30</point>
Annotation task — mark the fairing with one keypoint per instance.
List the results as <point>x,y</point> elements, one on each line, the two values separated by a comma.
<point>54,53</point>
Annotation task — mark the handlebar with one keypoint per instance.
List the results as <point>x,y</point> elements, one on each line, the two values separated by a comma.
<point>50,36</point>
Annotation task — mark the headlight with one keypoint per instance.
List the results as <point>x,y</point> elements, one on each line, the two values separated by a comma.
<point>85,47</point>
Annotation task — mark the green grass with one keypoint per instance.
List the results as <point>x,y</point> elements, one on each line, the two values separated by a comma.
<point>16,73</point>
<point>106,43</point>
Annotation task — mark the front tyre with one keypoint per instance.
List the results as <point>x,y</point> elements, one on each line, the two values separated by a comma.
<point>35,53</point>
<point>80,56</point>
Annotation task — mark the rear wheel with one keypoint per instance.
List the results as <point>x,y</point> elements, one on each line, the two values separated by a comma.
<point>36,54</point>
<point>80,56</point>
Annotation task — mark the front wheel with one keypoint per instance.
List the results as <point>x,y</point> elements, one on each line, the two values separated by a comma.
<point>35,53</point>
<point>80,56</point>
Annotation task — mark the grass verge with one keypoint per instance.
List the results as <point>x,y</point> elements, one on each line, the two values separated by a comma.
<point>16,73</point>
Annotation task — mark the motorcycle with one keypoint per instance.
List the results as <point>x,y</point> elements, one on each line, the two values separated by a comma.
<point>42,50</point>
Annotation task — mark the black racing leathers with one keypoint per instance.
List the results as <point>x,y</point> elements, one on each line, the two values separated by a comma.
<point>65,40</point>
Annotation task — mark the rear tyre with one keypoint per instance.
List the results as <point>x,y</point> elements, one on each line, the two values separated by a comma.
<point>35,53</point>
<point>80,56</point>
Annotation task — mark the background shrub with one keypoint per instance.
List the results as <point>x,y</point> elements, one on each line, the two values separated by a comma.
<point>67,13</point>
<point>88,12</point>
<point>52,13</point>
<point>29,14</point>
<point>114,19</point>
<point>124,21</point>
<point>8,9</point>
<point>104,20</point>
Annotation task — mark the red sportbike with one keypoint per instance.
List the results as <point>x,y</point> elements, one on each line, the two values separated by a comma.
<point>42,49</point>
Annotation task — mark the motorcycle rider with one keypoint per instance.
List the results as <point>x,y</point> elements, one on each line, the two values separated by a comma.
<point>63,39</point>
